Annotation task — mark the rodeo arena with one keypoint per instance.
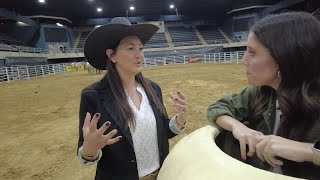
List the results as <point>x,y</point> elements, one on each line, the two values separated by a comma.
<point>196,51</point>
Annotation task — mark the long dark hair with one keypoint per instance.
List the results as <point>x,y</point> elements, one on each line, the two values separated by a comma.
<point>123,107</point>
<point>293,40</point>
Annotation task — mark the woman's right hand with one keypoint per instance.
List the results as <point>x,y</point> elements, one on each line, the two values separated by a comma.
<point>246,136</point>
<point>94,139</point>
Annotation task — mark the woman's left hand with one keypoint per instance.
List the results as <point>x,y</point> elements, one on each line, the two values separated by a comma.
<point>181,106</point>
<point>271,147</point>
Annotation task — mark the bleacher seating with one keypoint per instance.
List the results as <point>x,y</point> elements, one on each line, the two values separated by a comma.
<point>158,40</point>
<point>16,48</point>
<point>211,34</point>
<point>6,47</point>
<point>183,36</point>
<point>82,39</point>
<point>10,40</point>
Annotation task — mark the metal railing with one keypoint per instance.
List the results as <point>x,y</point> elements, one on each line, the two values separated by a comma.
<point>8,74</point>
<point>13,73</point>
<point>223,57</point>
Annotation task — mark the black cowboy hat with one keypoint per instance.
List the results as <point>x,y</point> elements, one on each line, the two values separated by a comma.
<point>106,36</point>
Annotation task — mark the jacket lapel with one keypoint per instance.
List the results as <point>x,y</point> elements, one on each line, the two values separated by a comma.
<point>111,107</point>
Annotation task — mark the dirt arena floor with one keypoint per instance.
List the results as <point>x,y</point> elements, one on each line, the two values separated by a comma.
<point>39,117</point>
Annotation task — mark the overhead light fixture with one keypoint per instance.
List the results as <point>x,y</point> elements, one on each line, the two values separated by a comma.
<point>131,8</point>
<point>19,23</point>
<point>171,6</point>
<point>58,24</point>
<point>99,9</point>
<point>41,1</point>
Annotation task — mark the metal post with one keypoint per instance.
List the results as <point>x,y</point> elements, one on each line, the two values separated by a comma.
<point>18,73</point>
<point>27,72</point>
<point>53,69</point>
<point>42,71</point>
<point>7,74</point>
<point>237,56</point>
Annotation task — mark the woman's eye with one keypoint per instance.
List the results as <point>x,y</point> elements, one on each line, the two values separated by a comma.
<point>251,52</point>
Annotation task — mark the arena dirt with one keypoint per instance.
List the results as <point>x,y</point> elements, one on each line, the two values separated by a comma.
<point>39,117</point>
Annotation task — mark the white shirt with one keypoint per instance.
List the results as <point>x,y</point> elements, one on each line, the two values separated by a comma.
<point>144,136</point>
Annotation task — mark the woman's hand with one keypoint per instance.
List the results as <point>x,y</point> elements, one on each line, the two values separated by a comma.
<point>246,136</point>
<point>94,139</point>
<point>181,106</point>
<point>271,147</point>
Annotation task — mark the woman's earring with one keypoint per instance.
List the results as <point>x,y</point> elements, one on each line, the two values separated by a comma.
<point>278,74</point>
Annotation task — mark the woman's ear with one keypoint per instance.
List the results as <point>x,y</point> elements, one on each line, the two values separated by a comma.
<point>110,54</point>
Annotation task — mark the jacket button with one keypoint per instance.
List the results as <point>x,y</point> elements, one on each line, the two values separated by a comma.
<point>133,161</point>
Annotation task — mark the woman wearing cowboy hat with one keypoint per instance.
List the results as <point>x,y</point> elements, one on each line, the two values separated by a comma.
<point>123,124</point>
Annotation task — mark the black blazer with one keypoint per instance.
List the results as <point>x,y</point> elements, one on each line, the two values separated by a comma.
<point>118,161</point>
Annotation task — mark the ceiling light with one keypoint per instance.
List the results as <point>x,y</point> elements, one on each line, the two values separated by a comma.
<point>171,6</point>
<point>58,24</point>
<point>41,1</point>
<point>99,9</point>
<point>131,8</point>
<point>21,23</point>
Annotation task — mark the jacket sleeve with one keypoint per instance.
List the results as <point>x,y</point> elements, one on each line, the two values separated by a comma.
<point>87,104</point>
<point>234,105</point>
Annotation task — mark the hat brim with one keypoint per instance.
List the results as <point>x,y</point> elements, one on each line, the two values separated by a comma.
<point>105,37</point>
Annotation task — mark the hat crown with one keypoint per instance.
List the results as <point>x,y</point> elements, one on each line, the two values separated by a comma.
<point>120,20</point>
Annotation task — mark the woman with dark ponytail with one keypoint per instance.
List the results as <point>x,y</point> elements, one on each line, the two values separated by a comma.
<point>276,120</point>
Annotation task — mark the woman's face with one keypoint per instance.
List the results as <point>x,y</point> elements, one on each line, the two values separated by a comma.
<point>128,56</point>
<point>261,68</point>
